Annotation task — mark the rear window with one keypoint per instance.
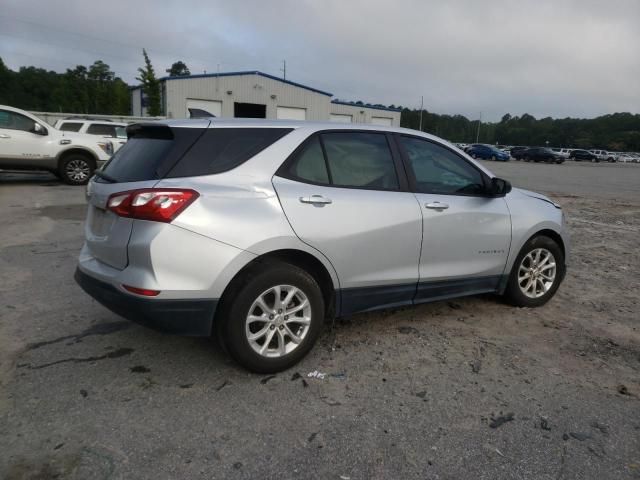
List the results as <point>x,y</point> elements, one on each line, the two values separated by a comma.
<point>157,151</point>
<point>149,153</point>
<point>101,129</point>
<point>222,149</point>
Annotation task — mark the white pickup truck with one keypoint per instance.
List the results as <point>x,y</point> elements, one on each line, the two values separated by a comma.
<point>28,143</point>
<point>605,155</point>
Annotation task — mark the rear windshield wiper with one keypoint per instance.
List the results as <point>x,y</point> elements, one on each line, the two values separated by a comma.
<point>104,176</point>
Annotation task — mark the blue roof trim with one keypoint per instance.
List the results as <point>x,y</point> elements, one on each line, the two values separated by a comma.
<point>251,72</point>
<point>365,105</point>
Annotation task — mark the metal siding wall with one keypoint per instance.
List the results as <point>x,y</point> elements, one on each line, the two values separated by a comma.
<point>257,89</point>
<point>365,117</point>
<point>245,89</point>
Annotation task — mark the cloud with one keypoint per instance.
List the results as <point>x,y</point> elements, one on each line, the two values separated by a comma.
<point>549,58</point>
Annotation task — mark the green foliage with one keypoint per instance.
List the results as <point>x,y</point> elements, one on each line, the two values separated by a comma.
<point>150,86</point>
<point>616,132</point>
<point>80,90</point>
<point>178,69</point>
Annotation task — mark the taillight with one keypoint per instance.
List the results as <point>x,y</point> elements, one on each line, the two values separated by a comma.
<point>154,204</point>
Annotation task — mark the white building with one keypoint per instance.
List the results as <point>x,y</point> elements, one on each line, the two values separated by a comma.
<point>257,95</point>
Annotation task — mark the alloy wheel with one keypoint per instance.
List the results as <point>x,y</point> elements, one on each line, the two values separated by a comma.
<point>77,170</point>
<point>537,272</point>
<point>278,321</point>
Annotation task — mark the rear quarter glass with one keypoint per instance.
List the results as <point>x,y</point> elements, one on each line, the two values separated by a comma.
<point>222,149</point>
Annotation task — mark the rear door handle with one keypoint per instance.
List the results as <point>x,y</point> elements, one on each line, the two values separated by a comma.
<point>4,136</point>
<point>316,200</point>
<point>437,206</point>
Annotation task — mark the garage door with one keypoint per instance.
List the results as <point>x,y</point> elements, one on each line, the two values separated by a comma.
<point>341,118</point>
<point>290,113</point>
<point>214,107</point>
<point>382,121</point>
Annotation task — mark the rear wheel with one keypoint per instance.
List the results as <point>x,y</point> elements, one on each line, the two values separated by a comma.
<point>76,169</point>
<point>273,319</point>
<point>526,158</point>
<point>536,273</point>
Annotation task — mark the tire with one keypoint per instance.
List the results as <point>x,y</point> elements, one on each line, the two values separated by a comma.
<point>473,155</point>
<point>515,293</point>
<point>236,308</point>
<point>76,169</point>
<point>526,158</point>
<point>493,157</point>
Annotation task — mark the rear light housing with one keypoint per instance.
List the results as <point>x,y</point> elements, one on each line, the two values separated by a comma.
<point>153,204</point>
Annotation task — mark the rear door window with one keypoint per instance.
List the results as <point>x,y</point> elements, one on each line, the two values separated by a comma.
<point>358,159</point>
<point>71,126</point>
<point>102,129</point>
<point>345,159</point>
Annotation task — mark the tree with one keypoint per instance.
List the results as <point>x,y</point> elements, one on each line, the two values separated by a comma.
<point>150,86</point>
<point>178,69</point>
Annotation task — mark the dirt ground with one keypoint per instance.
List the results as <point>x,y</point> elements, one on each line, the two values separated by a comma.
<point>470,388</point>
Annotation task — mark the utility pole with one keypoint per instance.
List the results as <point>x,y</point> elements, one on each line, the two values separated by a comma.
<point>284,69</point>
<point>421,108</point>
<point>478,130</point>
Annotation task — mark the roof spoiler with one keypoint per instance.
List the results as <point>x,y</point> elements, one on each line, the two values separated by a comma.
<point>199,113</point>
<point>157,131</point>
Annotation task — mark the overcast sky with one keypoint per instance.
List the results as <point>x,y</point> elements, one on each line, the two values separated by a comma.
<point>558,58</point>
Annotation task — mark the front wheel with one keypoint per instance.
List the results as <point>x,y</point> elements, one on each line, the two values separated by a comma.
<point>273,319</point>
<point>493,157</point>
<point>76,169</point>
<point>536,273</point>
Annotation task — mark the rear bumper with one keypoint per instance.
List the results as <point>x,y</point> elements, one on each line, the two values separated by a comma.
<point>192,317</point>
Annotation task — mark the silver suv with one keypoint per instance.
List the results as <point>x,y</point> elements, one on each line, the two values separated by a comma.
<point>256,231</point>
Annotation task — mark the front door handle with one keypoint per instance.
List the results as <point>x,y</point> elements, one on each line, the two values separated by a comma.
<point>316,200</point>
<point>4,136</point>
<point>437,206</point>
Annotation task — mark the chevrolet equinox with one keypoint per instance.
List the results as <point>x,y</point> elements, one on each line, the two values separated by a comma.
<point>255,231</point>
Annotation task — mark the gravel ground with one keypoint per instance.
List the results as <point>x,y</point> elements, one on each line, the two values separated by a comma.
<point>470,388</point>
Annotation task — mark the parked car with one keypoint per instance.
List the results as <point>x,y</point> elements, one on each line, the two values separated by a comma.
<point>103,128</point>
<point>605,155</point>
<point>487,152</point>
<point>542,154</point>
<point>517,152</point>
<point>579,155</point>
<point>257,230</point>
<point>563,152</point>
<point>29,143</point>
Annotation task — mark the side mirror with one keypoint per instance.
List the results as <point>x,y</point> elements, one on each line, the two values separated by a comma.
<point>499,187</point>
<point>39,129</point>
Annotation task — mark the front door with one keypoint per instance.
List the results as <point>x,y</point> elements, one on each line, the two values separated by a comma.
<point>343,195</point>
<point>466,235</point>
<point>19,145</point>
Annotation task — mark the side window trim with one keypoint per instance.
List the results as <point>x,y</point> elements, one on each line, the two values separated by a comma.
<point>398,162</point>
<point>326,160</point>
<point>411,175</point>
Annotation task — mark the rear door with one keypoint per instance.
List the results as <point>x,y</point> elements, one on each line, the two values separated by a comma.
<point>148,155</point>
<point>344,193</point>
<point>466,235</point>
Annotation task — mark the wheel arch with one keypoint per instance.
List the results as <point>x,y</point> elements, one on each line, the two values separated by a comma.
<point>297,257</point>
<point>76,150</point>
